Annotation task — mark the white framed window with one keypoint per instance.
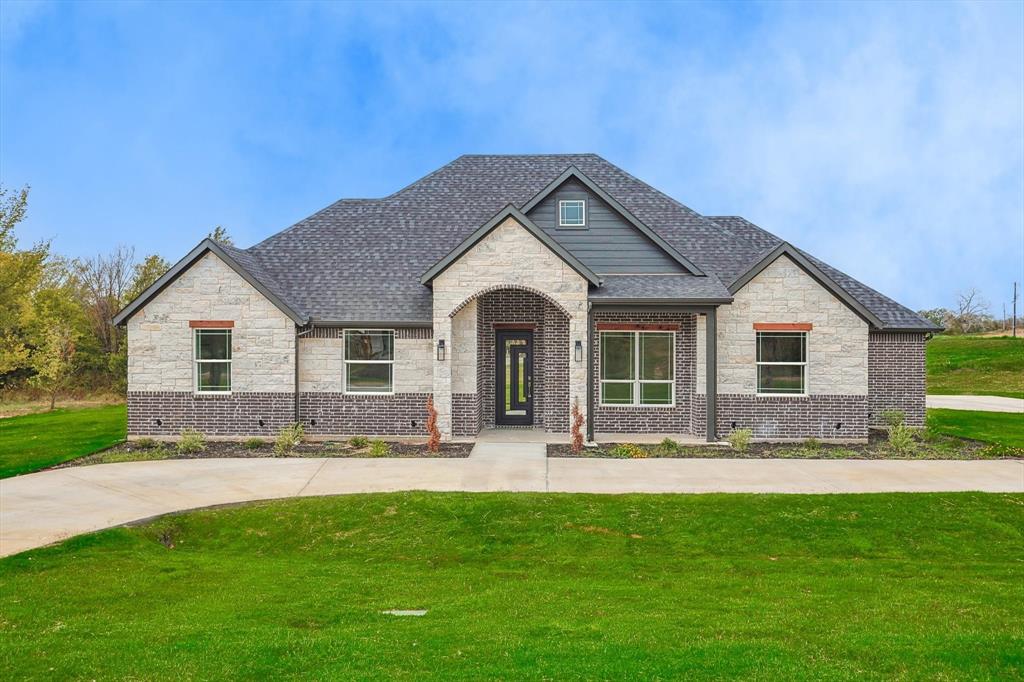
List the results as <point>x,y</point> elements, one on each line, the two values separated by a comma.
<point>369,361</point>
<point>572,213</point>
<point>638,368</point>
<point>782,363</point>
<point>212,360</point>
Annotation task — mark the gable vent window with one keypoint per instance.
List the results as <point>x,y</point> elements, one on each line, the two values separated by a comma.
<point>572,213</point>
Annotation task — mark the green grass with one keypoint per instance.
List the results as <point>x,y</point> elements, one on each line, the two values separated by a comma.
<point>925,586</point>
<point>1001,428</point>
<point>975,365</point>
<point>36,441</point>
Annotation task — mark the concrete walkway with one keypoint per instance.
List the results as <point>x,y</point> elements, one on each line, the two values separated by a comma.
<point>984,403</point>
<point>42,508</point>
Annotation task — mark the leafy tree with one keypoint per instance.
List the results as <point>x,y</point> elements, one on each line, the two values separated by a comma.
<point>20,274</point>
<point>13,208</point>
<point>939,316</point>
<point>53,359</point>
<point>144,274</point>
<point>221,236</point>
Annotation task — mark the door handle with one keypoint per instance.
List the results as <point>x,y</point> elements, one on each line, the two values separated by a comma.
<point>529,386</point>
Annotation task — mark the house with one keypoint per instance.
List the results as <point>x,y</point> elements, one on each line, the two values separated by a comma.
<point>510,288</point>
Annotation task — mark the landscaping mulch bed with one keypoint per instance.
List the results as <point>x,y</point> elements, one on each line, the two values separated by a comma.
<point>926,446</point>
<point>131,451</point>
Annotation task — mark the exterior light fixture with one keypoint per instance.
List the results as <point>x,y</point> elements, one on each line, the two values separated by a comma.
<point>440,349</point>
<point>579,351</point>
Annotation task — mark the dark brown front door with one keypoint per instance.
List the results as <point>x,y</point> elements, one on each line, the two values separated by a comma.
<point>513,378</point>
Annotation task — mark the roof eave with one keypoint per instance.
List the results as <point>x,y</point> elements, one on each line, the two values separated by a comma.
<point>207,245</point>
<point>660,301</point>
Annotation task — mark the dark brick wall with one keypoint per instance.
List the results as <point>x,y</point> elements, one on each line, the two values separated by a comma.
<point>674,419</point>
<point>402,414</point>
<point>550,355</point>
<point>785,417</point>
<point>237,414</point>
<point>896,375</point>
<point>465,414</point>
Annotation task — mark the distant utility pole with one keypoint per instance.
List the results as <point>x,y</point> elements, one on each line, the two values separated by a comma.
<point>1015,309</point>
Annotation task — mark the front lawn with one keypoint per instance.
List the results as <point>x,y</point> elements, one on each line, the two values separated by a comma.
<point>976,365</point>
<point>36,441</point>
<point>533,586</point>
<point>1001,428</point>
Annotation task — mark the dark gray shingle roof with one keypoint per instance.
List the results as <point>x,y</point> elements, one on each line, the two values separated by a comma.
<point>361,259</point>
<point>668,287</point>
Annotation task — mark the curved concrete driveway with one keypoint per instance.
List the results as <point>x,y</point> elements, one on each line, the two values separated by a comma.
<point>42,508</point>
<point>983,403</point>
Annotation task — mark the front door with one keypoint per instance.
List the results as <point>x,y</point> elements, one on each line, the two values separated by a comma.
<point>514,378</point>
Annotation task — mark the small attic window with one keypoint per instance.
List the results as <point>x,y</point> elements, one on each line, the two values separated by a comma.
<point>572,213</point>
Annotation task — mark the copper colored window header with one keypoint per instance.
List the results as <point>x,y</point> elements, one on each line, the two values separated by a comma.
<point>211,324</point>
<point>783,326</point>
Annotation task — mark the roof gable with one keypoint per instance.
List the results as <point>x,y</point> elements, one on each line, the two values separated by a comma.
<point>527,224</point>
<point>235,263</point>
<point>786,249</point>
<point>574,173</point>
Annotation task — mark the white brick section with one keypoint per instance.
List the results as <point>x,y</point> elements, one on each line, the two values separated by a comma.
<point>837,346</point>
<point>160,342</point>
<point>322,365</point>
<point>509,255</point>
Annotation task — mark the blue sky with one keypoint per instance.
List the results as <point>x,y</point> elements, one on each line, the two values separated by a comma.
<point>886,139</point>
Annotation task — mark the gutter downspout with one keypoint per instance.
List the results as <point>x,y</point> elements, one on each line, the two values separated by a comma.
<point>590,372</point>
<point>711,373</point>
<point>298,335</point>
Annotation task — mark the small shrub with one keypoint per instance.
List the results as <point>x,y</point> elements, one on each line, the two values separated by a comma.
<point>629,451</point>
<point>287,438</point>
<point>893,418</point>
<point>144,443</point>
<point>901,439</point>
<point>577,427</point>
<point>380,448</point>
<point>812,445</point>
<point>433,433</point>
<point>191,441</point>
<point>253,444</point>
<point>669,446</point>
<point>359,441</point>
<point>739,439</point>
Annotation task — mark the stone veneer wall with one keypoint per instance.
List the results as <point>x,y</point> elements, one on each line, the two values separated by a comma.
<point>649,419</point>
<point>896,376</point>
<point>550,361</point>
<point>508,257</point>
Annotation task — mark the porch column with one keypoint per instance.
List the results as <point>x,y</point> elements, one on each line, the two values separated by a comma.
<point>711,373</point>
<point>443,375</point>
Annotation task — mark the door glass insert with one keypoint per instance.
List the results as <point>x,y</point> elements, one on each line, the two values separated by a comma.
<point>515,377</point>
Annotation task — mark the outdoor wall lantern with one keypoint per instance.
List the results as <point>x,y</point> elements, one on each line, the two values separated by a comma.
<point>440,349</point>
<point>579,351</point>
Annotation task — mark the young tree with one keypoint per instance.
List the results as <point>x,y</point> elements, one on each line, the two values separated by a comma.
<point>20,275</point>
<point>53,359</point>
<point>144,274</point>
<point>103,283</point>
<point>221,236</point>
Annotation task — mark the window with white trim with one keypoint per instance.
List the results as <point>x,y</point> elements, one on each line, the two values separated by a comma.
<point>782,363</point>
<point>637,368</point>
<point>369,360</point>
<point>572,213</point>
<point>213,360</point>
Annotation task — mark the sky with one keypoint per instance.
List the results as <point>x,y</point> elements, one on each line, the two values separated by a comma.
<point>886,139</point>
